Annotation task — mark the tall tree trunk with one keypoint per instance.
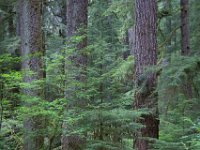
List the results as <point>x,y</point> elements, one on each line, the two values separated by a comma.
<point>145,46</point>
<point>168,24</point>
<point>185,51</point>
<point>76,25</point>
<point>185,47</point>
<point>29,28</point>
<point>76,18</point>
<point>11,28</point>
<point>185,44</point>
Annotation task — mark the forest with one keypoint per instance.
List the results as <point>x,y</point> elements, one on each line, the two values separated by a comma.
<point>99,75</point>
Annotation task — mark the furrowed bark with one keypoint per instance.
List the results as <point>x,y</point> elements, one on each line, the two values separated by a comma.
<point>145,46</point>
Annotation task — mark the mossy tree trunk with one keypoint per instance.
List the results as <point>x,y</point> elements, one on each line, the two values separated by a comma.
<point>29,29</point>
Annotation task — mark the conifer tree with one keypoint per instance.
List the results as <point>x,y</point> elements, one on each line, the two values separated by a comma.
<point>31,49</point>
<point>76,24</point>
<point>145,53</point>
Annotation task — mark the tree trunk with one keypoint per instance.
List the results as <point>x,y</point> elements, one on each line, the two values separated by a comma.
<point>76,19</point>
<point>185,44</point>
<point>29,28</point>
<point>76,25</point>
<point>145,46</point>
<point>11,28</point>
<point>185,47</point>
<point>185,51</point>
<point>168,24</point>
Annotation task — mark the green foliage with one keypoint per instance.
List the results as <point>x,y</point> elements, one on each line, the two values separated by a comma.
<point>99,108</point>
<point>180,114</point>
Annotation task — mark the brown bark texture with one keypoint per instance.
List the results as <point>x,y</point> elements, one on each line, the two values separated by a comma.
<point>185,47</point>
<point>144,46</point>
<point>29,29</point>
